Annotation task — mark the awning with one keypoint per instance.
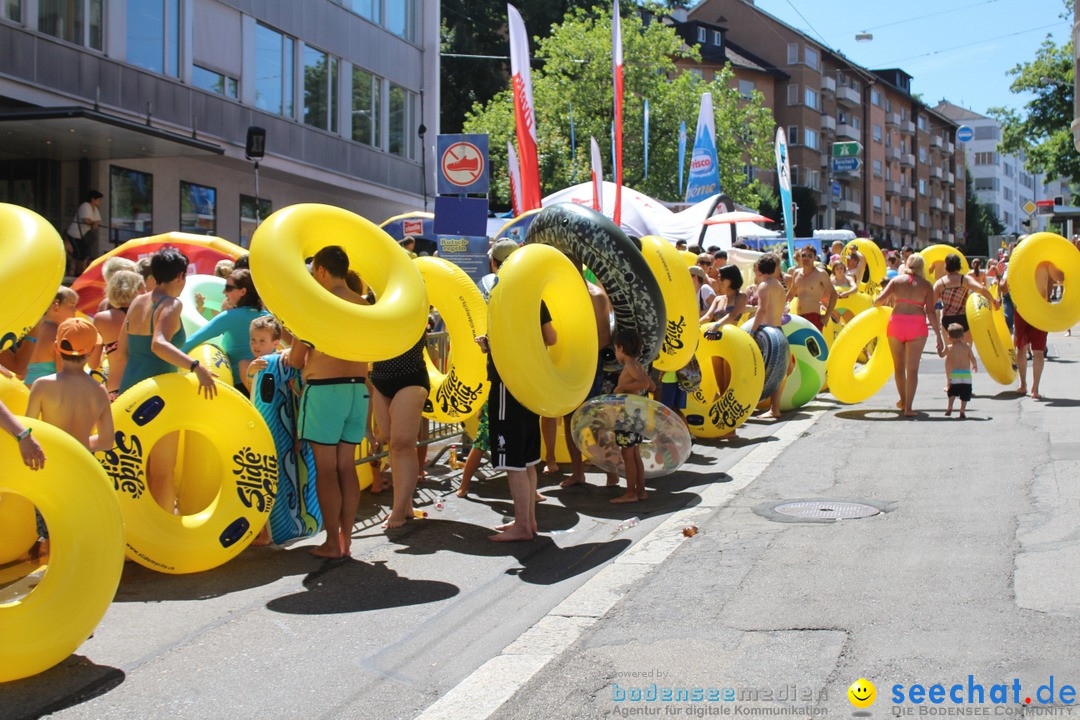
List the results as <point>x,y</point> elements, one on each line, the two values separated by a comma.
<point>71,133</point>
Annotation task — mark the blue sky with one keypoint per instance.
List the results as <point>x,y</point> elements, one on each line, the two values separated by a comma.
<point>959,50</point>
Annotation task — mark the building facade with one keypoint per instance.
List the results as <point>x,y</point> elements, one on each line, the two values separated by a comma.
<point>909,186</point>
<point>150,101</point>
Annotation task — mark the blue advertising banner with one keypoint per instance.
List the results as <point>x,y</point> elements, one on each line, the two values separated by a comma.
<point>463,164</point>
<point>704,177</point>
<point>461,216</point>
<point>783,173</point>
<point>468,252</point>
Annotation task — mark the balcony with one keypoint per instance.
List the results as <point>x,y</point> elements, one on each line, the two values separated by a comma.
<point>936,172</point>
<point>907,192</point>
<point>936,203</point>
<point>949,177</point>
<point>936,142</point>
<point>828,85</point>
<point>907,225</point>
<point>848,207</point>
<point>892,188</point>
<point>847,131</point>
<point>907,127</point>
<point>936,235</point>
<point>892,153</point>
<point>950,208</point>
<point>847,96</point>
<point>950,148</point>
<point>907,160</point>
<point>828,124</point>
<point>892,120</point>
<point>950,238</point>
<point>892,221</point>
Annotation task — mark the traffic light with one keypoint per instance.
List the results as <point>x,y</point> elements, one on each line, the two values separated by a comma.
<point>1029,224</point>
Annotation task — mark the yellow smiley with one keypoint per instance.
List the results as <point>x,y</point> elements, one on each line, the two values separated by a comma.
<point>862,693</point>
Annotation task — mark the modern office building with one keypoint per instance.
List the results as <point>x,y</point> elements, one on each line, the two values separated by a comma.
<point>150,101</point>
<point>909,186</point>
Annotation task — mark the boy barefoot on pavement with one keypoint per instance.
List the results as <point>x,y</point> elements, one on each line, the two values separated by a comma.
<point>958,367</point>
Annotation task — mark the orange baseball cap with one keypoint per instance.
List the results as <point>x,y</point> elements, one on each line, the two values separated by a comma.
<point>76,336</point>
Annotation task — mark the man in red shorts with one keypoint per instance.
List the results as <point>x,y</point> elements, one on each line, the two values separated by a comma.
<point>812,286</point>
<point>1025,335</point>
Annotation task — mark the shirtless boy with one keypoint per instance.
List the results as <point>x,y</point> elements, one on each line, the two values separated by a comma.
<point>812,286</point>
<point>334,415</point>
<point>770,312</point>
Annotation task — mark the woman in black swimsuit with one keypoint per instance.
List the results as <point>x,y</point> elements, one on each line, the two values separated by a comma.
<point>123,287</point>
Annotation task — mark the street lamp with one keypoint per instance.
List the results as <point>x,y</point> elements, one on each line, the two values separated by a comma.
<point>864,36</point>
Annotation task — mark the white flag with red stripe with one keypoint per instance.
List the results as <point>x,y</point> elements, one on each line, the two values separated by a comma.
<point>515,178</point>
<point>524,111</point>
<point>617,76</point>
<point>597,177</point>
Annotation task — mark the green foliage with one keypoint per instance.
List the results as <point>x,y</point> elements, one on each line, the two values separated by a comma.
<point>576,70</point>
<point>981,223</point>
<point>1042,129</point>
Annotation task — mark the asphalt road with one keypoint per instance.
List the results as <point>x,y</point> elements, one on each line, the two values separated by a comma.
<point>972,570</point>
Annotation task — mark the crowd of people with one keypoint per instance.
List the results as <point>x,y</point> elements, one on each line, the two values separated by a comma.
<point>137,333</point>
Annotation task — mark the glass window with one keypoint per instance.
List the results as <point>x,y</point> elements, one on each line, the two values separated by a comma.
<point>401,19</point>
<point>400,122</point>
<point>746,88</point>
<point>810,138</point>
<point>198,209</point>
<point>364,8</point>
<point>366,90</point>
<point>793,135</point>
<point>794,174</point>
<point>320,89</point>
<point>273,71</point>
<point>877,202</point>
<point>922,186</point>
<point>249,218</point>
<point>922,154</point>
<point>877,168</point>
<point>716,38</point>
<point>810,96</point>
<point>811,56</point>
<point>793,94</point>
<point>76,21</point>
<point>153,35</point>
<point>875,97</point>
<point>214,82</point>
<point>792,53</point>
<point>877,133</point>
<point>921,122</point>
<point>11,10</point>
<point>701,35</point>
<point>131,204</point>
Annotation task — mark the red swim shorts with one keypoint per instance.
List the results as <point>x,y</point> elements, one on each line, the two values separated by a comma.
<point>1025,334</point>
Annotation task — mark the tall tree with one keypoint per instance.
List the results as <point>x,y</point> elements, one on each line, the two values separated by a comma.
<point>574,69</point>
<point>981,221</point>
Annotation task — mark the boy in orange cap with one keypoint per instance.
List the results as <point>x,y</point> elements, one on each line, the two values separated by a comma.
<point>72,400</point>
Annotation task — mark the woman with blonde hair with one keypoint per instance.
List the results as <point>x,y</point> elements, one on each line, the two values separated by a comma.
<point>123,287</point>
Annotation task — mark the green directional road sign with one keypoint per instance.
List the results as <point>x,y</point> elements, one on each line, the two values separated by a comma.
<point>850,148</point>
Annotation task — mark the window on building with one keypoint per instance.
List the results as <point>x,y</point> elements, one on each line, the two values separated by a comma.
<point>877,202</point>
<point>701,34</point>
<point>320,89</point>
<point>888,174</point>
<point>214,82</point>
<point>812,179</point>
<point>748,173</point>
<point>153,35</point>
<point>401,18</point>
<point>274,71</point>
<point>888,139</point>
<point>875,96</point>
<point>369,9</point>
<point>922,153</point>
<point>131,204</point>
<point>985,158</point>
<point>1008,169</point>
<point>877,168</point>
<point>794,174</point>
<point>810,138</point>
<point>400,122</point>
<point>921,122</point>
<point>249,218</point>
<point>959,201</point>
<point>888,105</point>
<point>76,21</point>
<point>697,73</point>
<point>1007,194</point>
<point>366,91</point>
<point>717,38</point>
<point>922,219</point>
<point>922,186</point>
<point>792,53</point>
<point>793,94</point>
<point>11,10</point>
<point>1008,218</point>
<point>198,209</point>
<point>856,122</point>
<point>987,132</point>
<point>746,88</point>
<point>987,183</point>
<point>793,135</point>
<point>810,97</point>
<point>842,117</point>
<point>812,58</point>
<point>877,133</point>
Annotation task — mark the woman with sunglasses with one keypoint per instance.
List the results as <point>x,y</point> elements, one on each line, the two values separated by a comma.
<point>242,305</point>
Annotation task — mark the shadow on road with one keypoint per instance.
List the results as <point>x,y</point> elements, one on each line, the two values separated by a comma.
<point>888,415</point>
<point>72,682</point>
<point>349,586</point>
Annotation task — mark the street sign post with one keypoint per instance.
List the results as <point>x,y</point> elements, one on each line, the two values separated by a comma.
<point>845,164</point>
<point>850,148</point>
<point>1030,207</point>
<point>964,134</point>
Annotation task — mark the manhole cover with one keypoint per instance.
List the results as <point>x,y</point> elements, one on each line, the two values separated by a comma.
<point>827,509</point>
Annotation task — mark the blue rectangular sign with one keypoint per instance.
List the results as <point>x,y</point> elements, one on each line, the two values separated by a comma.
<point>468,252</point>
<point>463,164</point>
<point>845,164</point>
<point>461,216</point>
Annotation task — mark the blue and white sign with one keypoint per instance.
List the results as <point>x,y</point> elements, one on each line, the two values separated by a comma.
<point>964,134</point>
<point>845,164</point>
<point>835,189</point>
<point>468,252</point>
<point>463,164</point>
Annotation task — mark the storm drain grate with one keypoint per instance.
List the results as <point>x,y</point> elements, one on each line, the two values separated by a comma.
<point>827,510</point>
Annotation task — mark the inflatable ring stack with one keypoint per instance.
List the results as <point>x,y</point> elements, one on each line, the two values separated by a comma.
<point>212,288</point>
<point>461,392</point>
<point>936,254</point>
<point>86,553</point>
<point>875,264</point>
<point>1026,258</point>
<point>202,251</point>
<point>31,272</point>
<point>550,382</point>
<point>680,303</point>
<point>992,339</point>
<point>588,238</point>
<point>243,462</point>
<point>331,325</point>
<point>846,383</point>
<point>709,416</point>
<point>772,342</point>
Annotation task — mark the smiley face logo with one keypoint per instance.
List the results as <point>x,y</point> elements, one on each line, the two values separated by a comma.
<point>862,693</point>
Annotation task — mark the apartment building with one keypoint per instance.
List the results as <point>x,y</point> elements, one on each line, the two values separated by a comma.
<point>909,187</point>
<point>150,101</point>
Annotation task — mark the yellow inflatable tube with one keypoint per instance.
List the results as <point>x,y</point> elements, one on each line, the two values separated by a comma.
<point>711,413</point>
<point>875,263</point>
<point>244,461</point>
<point>331,325</point>
<point>550,381</point>
<point>847,383</point>
<point>32,270</point>
<point>680,300</point>
<point>18,527</point>
<point>688,257</point>
<point>992,339</point>
<point>461,392</point>
<point>86,553</point>
<point>936,254</point>
<point>1026,258</point>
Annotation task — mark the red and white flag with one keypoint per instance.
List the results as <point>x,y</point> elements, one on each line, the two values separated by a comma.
<point>524,115</point>
<point>597,177</point>
<point>515,178</point>
<point>617,75</point>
